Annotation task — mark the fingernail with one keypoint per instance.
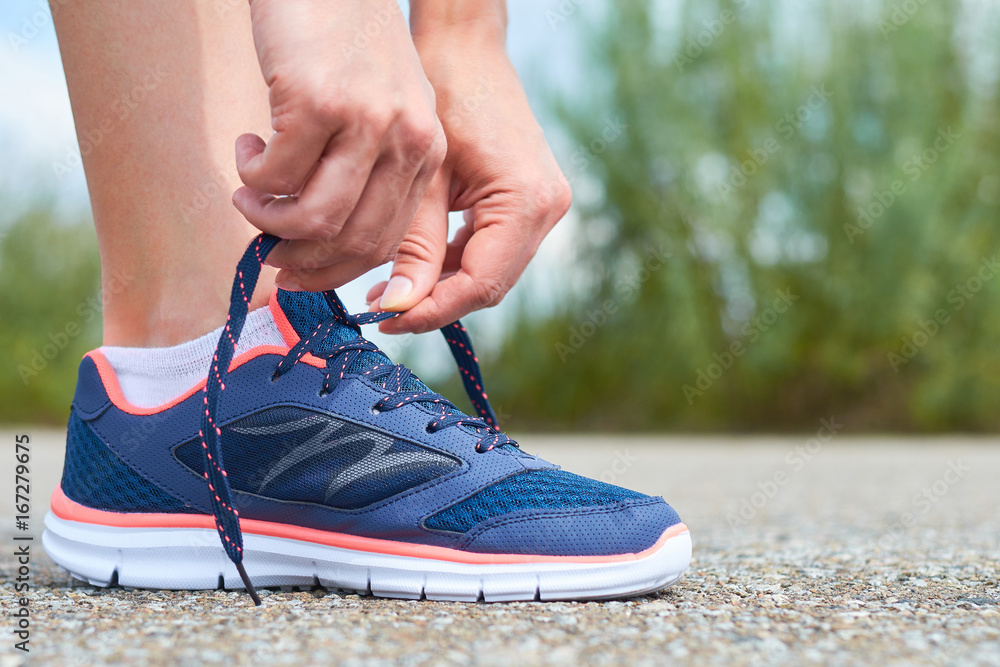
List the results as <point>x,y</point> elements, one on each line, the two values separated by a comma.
<point>288,284</point>
<point>399,288</point>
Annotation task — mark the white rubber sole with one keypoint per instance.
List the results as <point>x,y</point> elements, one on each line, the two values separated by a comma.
<point>192,559</point>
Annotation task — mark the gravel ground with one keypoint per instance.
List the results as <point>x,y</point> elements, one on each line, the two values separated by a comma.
<point>859,550</point>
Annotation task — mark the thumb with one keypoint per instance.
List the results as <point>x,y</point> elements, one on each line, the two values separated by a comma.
<point>417,265</point>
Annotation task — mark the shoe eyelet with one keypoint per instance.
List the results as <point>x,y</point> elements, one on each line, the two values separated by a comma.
<point>274,378</point>
<point>375,410</point>
<point>322,394</point>
<point>430,430</point>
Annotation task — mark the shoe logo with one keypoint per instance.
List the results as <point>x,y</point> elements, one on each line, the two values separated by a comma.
<point>339,436</point>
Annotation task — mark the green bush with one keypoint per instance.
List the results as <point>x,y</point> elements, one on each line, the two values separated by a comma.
<point>749,157</point>
<point>50,299</point>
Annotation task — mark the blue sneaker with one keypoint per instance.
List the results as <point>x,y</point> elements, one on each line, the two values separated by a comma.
<point>323,463</point>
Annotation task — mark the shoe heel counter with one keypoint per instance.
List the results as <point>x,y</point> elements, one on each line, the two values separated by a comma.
<point>89,400</point>
<point>79,453</point>
<point>91,396</point>
<point>75,452</point>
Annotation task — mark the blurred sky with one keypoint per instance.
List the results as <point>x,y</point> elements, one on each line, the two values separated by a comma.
<point>36,131</point>
<point>36,126</point>
<point>544,42</point>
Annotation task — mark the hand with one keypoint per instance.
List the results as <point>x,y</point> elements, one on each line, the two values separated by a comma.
<point>498,169</point>
<point>356,138</point>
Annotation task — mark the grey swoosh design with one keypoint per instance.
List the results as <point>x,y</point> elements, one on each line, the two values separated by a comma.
<point>284,427</point>
<point>381,462</point>
<point>323,441</point>
<point>374,463</point>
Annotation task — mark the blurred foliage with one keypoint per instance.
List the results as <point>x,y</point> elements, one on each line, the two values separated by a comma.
<point>50,301</point>
<point>751,142</point>
<point>721,161</point>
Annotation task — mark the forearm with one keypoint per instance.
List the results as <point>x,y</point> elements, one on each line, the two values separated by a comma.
<point>483,19</point>
<point>498,169</point>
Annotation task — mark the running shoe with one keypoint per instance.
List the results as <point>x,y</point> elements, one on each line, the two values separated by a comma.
<point>322,463</point>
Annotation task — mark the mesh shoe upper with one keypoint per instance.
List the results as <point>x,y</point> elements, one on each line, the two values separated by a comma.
<point>330,461</point>
<point>532,489</point>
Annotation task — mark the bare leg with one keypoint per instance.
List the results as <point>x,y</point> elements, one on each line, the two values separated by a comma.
<point>160,91</point>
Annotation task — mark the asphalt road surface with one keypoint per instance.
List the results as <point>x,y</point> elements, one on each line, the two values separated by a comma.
<point>834,550</point>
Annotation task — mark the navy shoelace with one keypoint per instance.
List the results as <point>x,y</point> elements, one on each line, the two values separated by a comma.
<point>339,357</point>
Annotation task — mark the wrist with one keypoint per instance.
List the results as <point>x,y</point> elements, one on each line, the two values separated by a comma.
<point>479,24</point>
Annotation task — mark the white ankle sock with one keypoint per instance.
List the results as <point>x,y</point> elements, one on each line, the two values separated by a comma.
<point>151,376</point>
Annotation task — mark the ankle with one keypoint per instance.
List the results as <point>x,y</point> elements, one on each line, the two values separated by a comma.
<point>153,376</point>
<point>147,318</point>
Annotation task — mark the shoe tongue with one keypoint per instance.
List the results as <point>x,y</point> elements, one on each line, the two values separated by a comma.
<point>305,311</point>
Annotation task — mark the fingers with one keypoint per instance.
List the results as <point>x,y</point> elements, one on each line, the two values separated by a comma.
<point>368,239</point>
<point>384,212</point>
<point>322,207</point>
<point>417,264</point>
<point>282,165</point>
<point>417,259</point>
<point>494,258</point>
<point>323,278</point>
<point>375,292</point>
<point>371,234</point>
<point>506,231</point>
<point>453,254</point>
<point>360,235</point>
